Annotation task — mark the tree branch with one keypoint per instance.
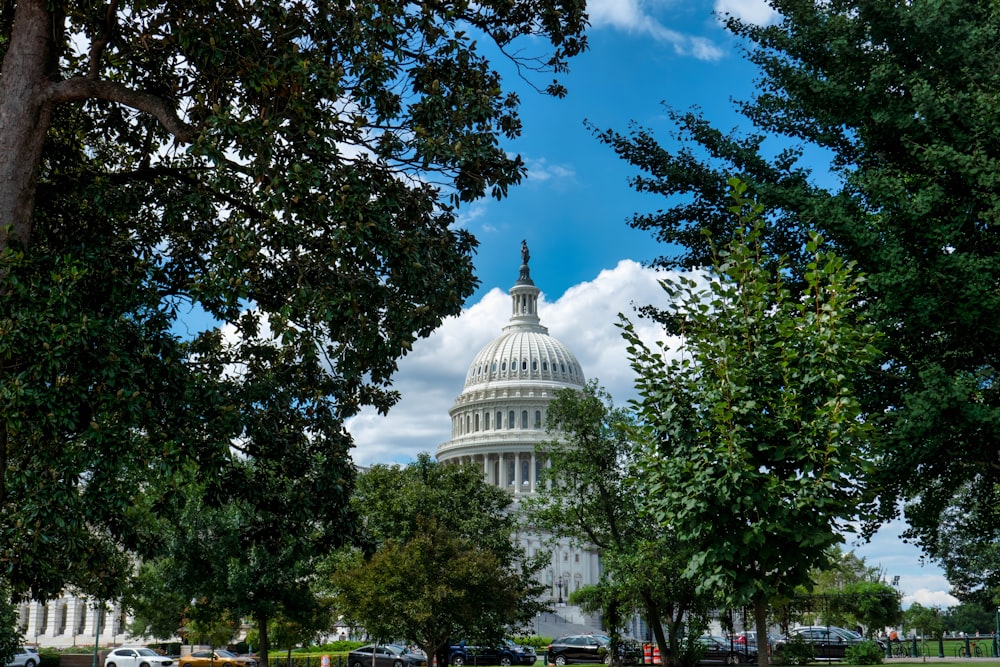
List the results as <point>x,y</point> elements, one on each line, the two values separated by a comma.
<point>82,88</point>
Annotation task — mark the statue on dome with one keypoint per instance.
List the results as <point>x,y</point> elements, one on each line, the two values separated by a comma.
<point>525,255</point>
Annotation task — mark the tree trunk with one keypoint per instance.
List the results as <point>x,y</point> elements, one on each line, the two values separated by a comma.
<point>262,620</point>
<point>760,623</point>
<point>654,619</point>
<point>25,115</point>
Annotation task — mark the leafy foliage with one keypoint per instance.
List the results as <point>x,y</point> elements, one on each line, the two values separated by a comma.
<point>755,417</point>
<point>901,97</point>
<point>864,653</point>
<point>927,621</point>
<point>291,171</point>
<point>441,564</point>
<point>590,499</point>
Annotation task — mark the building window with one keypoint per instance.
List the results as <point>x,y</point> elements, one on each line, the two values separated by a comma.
<point>510,419</point>
<point>538,418</point>
<point>503,365</point>
<point>534,365</point>
<point>524,419</point>
<point>486,421</point>
<point>475,422</point>
<point>499,420</point>
<point>545,365</point>
<point>524,365</point>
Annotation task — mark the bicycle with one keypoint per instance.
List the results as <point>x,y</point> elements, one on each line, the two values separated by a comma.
<point>974,649</point>
<point>900,650</point>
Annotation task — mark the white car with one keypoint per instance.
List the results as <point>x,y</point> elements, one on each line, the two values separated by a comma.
<point>25,657</point>
<point>136,656</point>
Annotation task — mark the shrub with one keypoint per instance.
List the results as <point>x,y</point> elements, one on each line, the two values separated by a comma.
<point>865,653</point>
<point>796,651</point>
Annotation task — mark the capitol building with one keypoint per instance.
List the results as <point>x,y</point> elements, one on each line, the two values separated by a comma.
<point>498,421</point>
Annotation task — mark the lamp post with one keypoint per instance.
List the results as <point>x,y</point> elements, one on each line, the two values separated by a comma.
<point>560,584</point>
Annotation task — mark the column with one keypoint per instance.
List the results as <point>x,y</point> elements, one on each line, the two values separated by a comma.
<point>532,473</point>
<point>73,617</point>
<point>52,621</point>
<point>34,620</point>
<point>517,472</point>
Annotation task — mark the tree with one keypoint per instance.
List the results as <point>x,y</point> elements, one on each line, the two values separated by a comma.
<point>440,563</point>
<point>291,170</point>
<point>250,537</point>
<point>901,97</point>
<point>926,621</point>
<point>589,499</point>
<point>755,419</point>
<point>854,593</point>
<point>970,618</point>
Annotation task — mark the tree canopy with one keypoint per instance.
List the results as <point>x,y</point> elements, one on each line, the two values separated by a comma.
<point>754,420</point>
<point>441,564</point>
<point>289,170</point>
<point>589,498</point>
<point>901,97</point>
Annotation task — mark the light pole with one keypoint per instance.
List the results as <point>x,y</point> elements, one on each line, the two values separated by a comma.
<point>560,584</point>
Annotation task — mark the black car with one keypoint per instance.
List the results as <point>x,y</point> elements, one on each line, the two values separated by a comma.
<point>588,648</point>
<point>390,655</point>
<point>721,651</point>
<point>828,641</point>
<point>508,653</point>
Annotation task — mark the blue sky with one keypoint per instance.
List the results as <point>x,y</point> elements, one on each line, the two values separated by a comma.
<point>573,209</point>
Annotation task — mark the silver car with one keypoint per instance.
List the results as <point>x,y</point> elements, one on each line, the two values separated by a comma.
<point>136,656</point>
<point>25,657</point>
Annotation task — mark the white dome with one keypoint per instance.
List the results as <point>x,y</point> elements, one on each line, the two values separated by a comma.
<point>520,355</point>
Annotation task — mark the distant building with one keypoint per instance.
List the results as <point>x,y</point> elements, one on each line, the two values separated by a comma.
<point>499,418</point>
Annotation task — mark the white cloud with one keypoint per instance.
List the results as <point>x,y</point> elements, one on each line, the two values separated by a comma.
<point>633,16</point>
<point>758,12</point>
<point>432,376</point>
<point>540,171</point>
<point>928,598</point>
<point>919,579</point>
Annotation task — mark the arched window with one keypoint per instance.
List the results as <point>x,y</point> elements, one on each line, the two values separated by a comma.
<point>468,424</point>
<point>524,364</point>
<point>510,419</point>
<point>503,365</point>
<point>499,420</point>
<point>475,422</point>
<point>534,365</point>
<point>524,419</point>
<point>545,365</point>
<point>486,421</point>
<point>538,418</point>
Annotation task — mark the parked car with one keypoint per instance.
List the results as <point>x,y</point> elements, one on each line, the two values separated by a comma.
<point>829,642</point>
<point>136,656</point>
<point>508,653</point>
<point>217,658</point>
<point>25,657</point>
<point>588,648</point>
<point>722,651</point>
<point>389,655</point>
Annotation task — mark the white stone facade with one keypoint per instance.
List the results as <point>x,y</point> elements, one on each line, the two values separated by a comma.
<point>70,621</point>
